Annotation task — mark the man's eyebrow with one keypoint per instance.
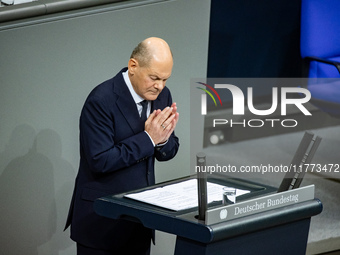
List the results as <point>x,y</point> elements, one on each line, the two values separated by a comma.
<point>159,78</point>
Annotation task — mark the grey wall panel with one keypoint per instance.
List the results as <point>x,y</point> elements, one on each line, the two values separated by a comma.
<point>47,69</point>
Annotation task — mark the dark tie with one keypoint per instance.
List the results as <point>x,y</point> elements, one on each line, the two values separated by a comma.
<point>144,104</point>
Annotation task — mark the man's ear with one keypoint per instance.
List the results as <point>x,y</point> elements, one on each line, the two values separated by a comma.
<point>132,65</point>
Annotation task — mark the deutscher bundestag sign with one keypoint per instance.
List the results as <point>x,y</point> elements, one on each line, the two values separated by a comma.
<point>258,205</point>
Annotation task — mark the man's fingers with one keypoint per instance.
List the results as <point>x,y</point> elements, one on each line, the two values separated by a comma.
<point>151,117</point>
<point>168,121</point>
<point>163,115</point>
<point>161,123</point>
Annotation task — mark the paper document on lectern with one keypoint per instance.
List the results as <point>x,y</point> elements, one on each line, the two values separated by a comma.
<point>180,196</point>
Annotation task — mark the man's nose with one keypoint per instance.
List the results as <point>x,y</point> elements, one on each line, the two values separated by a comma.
<point>160,84</point>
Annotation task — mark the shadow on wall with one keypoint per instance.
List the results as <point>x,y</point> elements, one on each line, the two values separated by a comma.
<point>35,184</point>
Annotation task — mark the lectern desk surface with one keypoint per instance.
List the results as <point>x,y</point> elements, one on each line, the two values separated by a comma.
<point>185,223</point>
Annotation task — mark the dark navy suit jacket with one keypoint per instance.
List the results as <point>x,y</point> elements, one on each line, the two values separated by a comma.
<point>116,156</point>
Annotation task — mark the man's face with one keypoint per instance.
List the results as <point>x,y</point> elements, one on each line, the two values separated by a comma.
<point>149,81</point>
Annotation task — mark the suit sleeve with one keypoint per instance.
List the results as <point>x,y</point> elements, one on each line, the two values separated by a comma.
<point>97,140</point>
<point>169,150</point>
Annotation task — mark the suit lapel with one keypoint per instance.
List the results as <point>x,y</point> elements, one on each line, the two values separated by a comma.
<point>129,111</point>
<point>126,104</point>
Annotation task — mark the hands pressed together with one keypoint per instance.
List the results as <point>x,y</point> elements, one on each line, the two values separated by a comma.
<point>161,123</point>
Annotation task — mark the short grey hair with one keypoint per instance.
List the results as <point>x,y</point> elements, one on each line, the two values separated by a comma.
<point>142,54</point>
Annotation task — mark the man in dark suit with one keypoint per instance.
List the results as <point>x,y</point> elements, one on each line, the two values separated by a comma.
<point>119,141</point>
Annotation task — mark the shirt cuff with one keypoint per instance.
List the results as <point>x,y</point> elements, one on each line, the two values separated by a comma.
<point>150,138</point>
<point>162,144</point>
<point>156,145</point>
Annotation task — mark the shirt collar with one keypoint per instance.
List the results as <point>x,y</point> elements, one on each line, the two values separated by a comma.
<point>137,98</point>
